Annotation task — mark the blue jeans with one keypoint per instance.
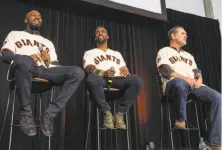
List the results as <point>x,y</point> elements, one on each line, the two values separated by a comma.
<point>68,77</point>
<point>178,90</point>
<point>131,85</point>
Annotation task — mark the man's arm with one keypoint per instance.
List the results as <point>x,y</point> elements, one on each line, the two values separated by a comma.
<point>124,71</point>
<point>89,66</point>
<point>167,72</point>
<point>165,69</point>
<point>8,49</point>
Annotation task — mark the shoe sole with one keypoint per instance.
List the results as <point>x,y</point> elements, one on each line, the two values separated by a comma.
<point>29,134</point>
<point>120,127</point>
<point>44,132</point>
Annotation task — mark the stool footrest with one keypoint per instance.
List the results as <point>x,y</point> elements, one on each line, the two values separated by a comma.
<point>188,127</point>
<point>18,125</point>
<point>111,129</point>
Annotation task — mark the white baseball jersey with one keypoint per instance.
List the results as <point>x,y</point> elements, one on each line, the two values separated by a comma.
<point>181,62</point>
<point>24,43</point>
<point>104,60</point>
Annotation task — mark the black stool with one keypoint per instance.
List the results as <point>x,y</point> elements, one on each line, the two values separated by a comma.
<point>112,94</point>
<point>38,87</point>
<point>165,100</point>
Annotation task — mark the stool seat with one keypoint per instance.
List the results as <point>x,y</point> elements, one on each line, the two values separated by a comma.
<point>39,85</point>
<point>111,89</point>
<point>113,93</point>
<point>164,99</point>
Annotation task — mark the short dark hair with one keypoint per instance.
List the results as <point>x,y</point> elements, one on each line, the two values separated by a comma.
<point>101,26</point>
<point>173,31</point>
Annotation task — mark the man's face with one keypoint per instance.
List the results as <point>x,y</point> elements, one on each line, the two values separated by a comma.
<point>180,37</point>
<point>101,35</point>
<point>34,20</point>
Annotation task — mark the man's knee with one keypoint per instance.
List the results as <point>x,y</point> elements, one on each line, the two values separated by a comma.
<point>217,97</point>
<point>24,62</point>
<point>179,83</point>
<point>93,80</point>
<point>77,72</point>
<point>136,80</point>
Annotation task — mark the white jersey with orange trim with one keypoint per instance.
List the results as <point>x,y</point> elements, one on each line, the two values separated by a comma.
<point>104,60</point>
<point>181,62</point>
<point>24,43</point>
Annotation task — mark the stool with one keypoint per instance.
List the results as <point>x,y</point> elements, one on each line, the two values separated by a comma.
<point>38,87</point>
<point>111,94</point>
<point>165,100</point>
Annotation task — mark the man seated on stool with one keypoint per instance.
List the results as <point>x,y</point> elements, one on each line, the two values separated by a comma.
<point>102,63</point>
<point>31,56</point>
<point>180,76</point>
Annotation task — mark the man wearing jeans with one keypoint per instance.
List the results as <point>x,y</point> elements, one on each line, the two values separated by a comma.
<point>33,56</point>
<point>101,63</point>
<point>180,77</point>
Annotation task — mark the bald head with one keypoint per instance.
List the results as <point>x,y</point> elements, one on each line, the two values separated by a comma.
<point>33,20</point>
<point>30,13</point>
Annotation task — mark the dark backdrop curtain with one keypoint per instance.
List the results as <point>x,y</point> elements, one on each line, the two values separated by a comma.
<point>71,29</point>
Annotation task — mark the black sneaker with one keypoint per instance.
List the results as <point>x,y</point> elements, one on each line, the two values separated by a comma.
<point>28,125</point>
<point>46,124</point>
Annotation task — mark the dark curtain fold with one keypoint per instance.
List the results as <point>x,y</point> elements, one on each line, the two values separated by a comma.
<point>136,37</point>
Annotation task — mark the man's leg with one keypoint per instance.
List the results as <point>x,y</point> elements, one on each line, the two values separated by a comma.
<point>69,79</point>
<point>131,85</point>
<point>96,85</point>
<point>208,95</point>
<point>177,90</point>
<point>21,69</point>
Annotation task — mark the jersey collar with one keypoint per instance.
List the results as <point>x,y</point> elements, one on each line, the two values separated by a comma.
<point>180,50</point>
<point>32,32</point>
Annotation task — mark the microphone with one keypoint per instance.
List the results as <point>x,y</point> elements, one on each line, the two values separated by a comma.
<point>110,79</point>
<point>41,51</point>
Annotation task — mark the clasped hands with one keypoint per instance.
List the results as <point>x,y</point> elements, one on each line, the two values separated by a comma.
<point>44,56</point>
<point>123,72</point>
<point>194,83</point>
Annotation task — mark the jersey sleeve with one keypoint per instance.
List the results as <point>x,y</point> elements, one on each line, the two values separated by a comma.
<point>122,62</point>
<point>89,64</point>
<point>193,65</point>
<point>162,58</point>
<point>88,60</point>
<point>9,42</point>
<point>52,53</point>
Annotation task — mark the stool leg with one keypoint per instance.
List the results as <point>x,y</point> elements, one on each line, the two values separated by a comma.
<point>170,124</point>
<point>161,134</point>
<point>89,123</point>
<point>198,126</point>
<point>188,133</point>
<point>12,119</point>
<point>127,131</point>
<point>98,128</point>
<point>40,114</point>
<point>5,116</point>
<point>114,112</point>
<point>52,92</point>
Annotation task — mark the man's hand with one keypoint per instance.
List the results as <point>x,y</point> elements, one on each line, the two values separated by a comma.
<point>199,82</point>
<point>191,82</point>
<point>35,57</point>
<point>45,56</point>
<point>124,71</point>
<point>109,73</point>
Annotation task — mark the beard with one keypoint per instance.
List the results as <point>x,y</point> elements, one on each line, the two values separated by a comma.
<point>33,26</point>
<point>100,41</point>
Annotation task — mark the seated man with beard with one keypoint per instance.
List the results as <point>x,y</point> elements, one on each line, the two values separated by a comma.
<point>31,56</point>
<point>101,63</point>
